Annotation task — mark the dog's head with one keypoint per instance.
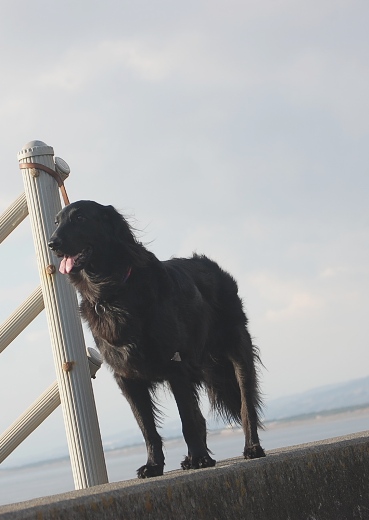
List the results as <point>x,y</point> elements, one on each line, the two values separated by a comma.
<point>85,231</point>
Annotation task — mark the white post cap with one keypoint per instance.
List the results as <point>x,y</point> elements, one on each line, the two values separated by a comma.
<point>35,148</point>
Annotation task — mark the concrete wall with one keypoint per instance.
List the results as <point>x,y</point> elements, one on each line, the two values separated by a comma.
<point>328,480</point>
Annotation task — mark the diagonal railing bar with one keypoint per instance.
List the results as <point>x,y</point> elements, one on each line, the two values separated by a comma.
<point>39,410</point>
<point>26,423</point>
<point>13,216</point>
<point>21,318</point>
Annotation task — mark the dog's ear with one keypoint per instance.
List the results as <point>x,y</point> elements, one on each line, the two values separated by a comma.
<point>111,216</point>
<point>117,225</point>
<point>109,212</point>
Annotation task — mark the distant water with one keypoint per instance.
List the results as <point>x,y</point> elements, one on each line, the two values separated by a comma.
<point>55,477</point>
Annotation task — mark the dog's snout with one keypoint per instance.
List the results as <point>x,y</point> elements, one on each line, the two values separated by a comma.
<point>54,243</point>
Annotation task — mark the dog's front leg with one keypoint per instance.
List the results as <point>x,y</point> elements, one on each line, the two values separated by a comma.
<point>193,423</point>
<point>138,395</point>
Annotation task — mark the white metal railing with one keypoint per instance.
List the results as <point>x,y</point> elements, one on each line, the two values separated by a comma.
<point>73,388</point>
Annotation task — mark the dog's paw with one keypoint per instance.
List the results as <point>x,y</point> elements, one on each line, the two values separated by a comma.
<point>148,471</point>
<point>198,462</point>
<point>254,452</point>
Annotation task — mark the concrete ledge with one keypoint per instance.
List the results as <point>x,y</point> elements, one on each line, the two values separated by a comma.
<point>328,480</point>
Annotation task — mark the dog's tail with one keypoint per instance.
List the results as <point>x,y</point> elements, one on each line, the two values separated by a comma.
<point>223,392</point>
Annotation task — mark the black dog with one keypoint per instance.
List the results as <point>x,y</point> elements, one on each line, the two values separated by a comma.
<point>180,321</point>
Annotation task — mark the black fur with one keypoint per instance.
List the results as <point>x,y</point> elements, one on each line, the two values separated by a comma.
<point>180,321</point>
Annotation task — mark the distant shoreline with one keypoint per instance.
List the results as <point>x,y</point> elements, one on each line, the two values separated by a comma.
<point>326,415</point>
<point>358,409</point>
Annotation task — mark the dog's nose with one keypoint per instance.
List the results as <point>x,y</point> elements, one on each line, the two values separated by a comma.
<point>54,243</point>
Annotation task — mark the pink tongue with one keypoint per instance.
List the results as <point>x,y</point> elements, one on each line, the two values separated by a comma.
<point>66,265</point>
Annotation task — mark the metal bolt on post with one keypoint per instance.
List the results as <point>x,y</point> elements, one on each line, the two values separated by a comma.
<point>76,395</point>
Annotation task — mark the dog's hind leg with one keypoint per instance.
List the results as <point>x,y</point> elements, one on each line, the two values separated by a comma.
<point>245,371</point>
<point>193,423</point>
<point>249,418</point>
<point>137,393</point>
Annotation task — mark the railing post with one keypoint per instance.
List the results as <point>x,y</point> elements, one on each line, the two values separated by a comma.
<point>66,334</point>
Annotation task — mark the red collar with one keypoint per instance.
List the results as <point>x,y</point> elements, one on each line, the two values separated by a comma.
<point>128,274</point>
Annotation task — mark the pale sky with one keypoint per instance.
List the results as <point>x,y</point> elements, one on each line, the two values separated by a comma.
<point>237,129</point>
